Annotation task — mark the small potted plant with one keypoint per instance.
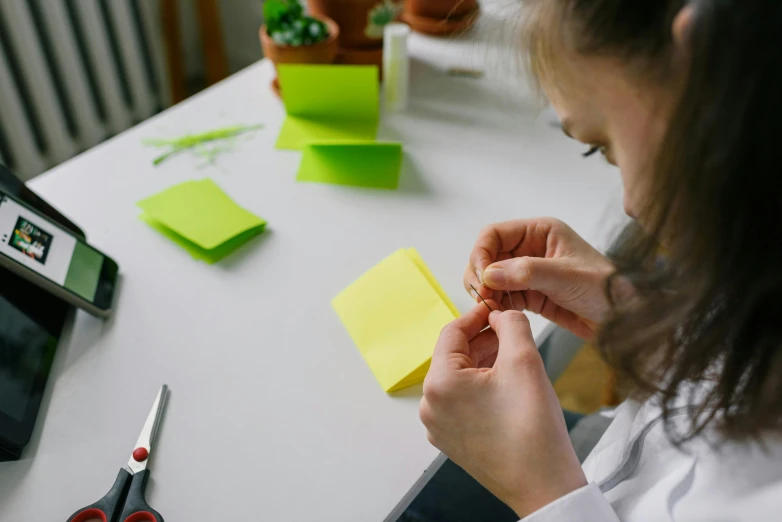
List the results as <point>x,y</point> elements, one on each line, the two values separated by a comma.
<point>440,17</point>
<point>290,36</point>
<point>361,24</point>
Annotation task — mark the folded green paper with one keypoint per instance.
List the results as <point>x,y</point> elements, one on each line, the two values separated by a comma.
<point>201,218</point>
<point>358,163</point>
<point>328,102</point>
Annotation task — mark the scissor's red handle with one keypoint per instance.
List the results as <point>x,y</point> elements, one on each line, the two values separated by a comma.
<point>89,514</point>
<point>142,516</point>
<point>136,508</point>
<point>106,508</point>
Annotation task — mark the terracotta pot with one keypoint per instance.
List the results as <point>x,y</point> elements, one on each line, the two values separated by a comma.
<point>353,18</point>
<point>321,52</point>
<point>441,26</point>
<point>441,9</point>
<point>354,56</point>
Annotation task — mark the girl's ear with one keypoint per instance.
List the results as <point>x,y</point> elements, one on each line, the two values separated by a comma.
<point>682,23</point>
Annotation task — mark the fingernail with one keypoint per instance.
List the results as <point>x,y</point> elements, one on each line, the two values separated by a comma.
<point>473,293</point>
<point>494,277</point>
<point>495,314</point>
<point>479,275</point>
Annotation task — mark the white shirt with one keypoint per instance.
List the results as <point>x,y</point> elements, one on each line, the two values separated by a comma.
<point>636,475</point>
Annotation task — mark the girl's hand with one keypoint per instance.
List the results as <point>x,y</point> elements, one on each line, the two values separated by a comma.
<point>501,422</point>
<point>547,268</point>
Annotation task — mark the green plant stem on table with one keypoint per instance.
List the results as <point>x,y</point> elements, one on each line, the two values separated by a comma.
<point>196,142</point>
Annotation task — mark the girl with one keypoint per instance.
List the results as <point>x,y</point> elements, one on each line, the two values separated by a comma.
<point>684,98</point>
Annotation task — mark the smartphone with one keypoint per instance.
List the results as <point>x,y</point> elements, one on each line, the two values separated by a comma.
<point>44,253</point>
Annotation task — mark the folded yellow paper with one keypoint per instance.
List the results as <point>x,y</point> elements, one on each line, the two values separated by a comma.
<point>394,314</point>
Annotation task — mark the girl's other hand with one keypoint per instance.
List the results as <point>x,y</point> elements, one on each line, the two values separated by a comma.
<point>489,405</point>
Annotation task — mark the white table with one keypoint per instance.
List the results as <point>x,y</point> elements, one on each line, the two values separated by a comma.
<point>273,414</point>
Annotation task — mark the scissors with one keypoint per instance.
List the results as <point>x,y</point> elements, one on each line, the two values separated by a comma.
<point>125,501</point>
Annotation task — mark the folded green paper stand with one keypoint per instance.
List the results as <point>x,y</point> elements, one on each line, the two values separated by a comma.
<point>328,102</point>
<point>357,163</point>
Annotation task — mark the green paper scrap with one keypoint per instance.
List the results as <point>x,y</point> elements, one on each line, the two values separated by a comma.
<point>328,102</point>
<point>201,218</point>
<point>361,164</point>
<point>197,142</point>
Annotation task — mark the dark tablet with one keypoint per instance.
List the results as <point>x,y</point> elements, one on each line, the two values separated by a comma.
<point>31,321</point>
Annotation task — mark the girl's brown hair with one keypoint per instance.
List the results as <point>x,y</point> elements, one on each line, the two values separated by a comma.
<point>709,310</point>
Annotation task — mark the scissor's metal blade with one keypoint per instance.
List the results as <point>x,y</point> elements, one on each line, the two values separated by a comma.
<point>138,459</point>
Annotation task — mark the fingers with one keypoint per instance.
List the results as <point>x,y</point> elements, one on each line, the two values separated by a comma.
<point>528,234</point>
<point>453,347</point>
<point>517,348</point>
<point>475,288</point>
<point>483,349</point>
<point>485,251</point>
<point>538,303</point>
<point>456,336</point>
<point>489,361</point>
<point>514,301</point>
<point>550,276</point>
<point>471,281</point>
<point>471,323</point>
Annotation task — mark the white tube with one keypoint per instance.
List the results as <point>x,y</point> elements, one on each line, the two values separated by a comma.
<point>396,67</point>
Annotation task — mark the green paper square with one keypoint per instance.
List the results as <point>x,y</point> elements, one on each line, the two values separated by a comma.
<point>328,102</point>
<point>360,164</point>
<point>201,218</point>
<point>209,256</point>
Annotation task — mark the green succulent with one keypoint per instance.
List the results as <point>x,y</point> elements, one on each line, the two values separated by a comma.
<point>287,24</point>
<point>385,13</point>
<point>381,15</point>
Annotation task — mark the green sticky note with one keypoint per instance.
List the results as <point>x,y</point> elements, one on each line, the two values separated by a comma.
<point>328,102</point>
<point>201,218</point>
<point>210,256</point>
<point>361,164</point>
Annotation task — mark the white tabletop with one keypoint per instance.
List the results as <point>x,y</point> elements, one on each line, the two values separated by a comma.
<point>273,414</point>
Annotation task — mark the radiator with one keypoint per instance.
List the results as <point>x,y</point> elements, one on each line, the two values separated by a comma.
<point>74,73</point>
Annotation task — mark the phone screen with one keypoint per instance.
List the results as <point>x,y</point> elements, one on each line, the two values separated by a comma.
<point>49,250</point>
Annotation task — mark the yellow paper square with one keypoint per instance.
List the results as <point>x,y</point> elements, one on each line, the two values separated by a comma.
<point>394,314</point>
